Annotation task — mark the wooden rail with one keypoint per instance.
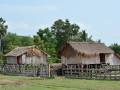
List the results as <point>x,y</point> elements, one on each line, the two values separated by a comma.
<point>92,72</point>
<point>16,69</point>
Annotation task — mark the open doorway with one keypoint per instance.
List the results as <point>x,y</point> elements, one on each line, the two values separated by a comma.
<point>102,58</point>
<point>18,60</point>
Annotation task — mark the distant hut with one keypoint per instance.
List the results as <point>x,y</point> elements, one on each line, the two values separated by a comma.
<point>87,53</point>
<point>28,55</point>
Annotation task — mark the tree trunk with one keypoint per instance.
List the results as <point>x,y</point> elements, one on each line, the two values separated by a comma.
<point>0,45</point>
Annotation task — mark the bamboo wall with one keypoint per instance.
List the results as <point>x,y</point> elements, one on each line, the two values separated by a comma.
<point>81,59</point>
<point>24,59</point>
<point>109,58</point>
<point>12,60</point>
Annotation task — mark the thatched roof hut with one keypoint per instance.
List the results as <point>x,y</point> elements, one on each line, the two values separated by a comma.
<point>26,55</point>
<point>87,53</point>
<point>84,48</point>
<point>30,50</point>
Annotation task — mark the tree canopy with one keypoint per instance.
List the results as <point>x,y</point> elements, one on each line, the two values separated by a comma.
<point>3,30</point>
<point>49,40</point>
<point>64,31</point>
<point>116,48</point>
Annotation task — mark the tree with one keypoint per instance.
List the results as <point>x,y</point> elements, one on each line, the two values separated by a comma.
<point>15,40</point>
<point>83,37</point>
<point>38,42</point>
<point>1,58</point>
<point>26,41</point>
<point>115,47</point>
<point>3,30</point>
<point>49,41</point>
<point>9,47</point>
<point>64,31</point>
<point>45,41</point>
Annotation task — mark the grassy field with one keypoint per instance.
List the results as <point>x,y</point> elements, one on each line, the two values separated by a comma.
<point>59,83</point>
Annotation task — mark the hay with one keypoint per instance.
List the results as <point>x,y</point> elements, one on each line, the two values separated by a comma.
<point>30,50</point>
<point>117,55</point>
<point>68,52</point>
<point>86,49</point>
<point>34,52</point>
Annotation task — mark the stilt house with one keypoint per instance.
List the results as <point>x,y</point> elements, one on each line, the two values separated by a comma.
<point>89,60</point>
<point>87,53</point>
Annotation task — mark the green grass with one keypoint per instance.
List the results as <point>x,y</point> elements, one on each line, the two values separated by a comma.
<point>36,83</point>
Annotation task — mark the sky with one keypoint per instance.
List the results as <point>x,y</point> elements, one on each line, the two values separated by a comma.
<point>100,18</point>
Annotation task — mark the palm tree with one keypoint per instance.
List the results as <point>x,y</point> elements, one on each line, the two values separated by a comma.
<point>83,37</point>
<point>3,30</point>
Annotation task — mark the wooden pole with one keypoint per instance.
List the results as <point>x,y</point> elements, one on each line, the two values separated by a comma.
<point>48,70</point>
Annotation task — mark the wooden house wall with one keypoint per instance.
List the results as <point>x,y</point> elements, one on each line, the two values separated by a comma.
<point>114,60</point>
<point>109,58</point>
<point>43,59</point>
<point>65,60</point>
<point>81,59</point>
<point>11,60</point>
<point>91,60</point>
<point>28,60</point>
<point>33,60</point>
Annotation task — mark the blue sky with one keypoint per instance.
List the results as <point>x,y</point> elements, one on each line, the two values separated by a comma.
<point>100,18</point>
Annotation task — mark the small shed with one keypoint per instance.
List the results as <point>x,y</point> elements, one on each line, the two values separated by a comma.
<point>28,60</point>
<point>26,55</point>
<point>87,53</point>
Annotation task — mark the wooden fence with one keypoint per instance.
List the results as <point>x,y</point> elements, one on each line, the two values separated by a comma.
<point>1,68</point>
<point>96,72</point>
<point>16,69</point>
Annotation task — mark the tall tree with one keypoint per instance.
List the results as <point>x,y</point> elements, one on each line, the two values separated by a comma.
<point>64,31</point>
<point>3,30</point>
<point>13,40</point>
<point>38,42</point>
<point>45,41</point>
<point>26,41</point>
<point>49,41</point>
<point>83,37</point>
<point>116,48</point>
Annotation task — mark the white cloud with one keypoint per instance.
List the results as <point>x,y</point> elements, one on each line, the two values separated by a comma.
<point>21,28</point>
<point>83,26</point>
<point>31,9</point>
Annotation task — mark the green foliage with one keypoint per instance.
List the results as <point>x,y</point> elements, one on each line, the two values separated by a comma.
<point>26,41</point>
<point>49,41</point>
<point>116,48</point>
<point>53,60</point>
<point>64,31</point>
<point>9,47</point>
<point>38,42</point>
<point>3,30</point>
<point>12,40</point>
<point>1,58</point>
<point>83,37</point>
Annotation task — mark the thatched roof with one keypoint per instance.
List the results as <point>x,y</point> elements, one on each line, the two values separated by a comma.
<point>117,55</point>
<point>56,65</point>
<point>84,48</point>
<point>30,50</point>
